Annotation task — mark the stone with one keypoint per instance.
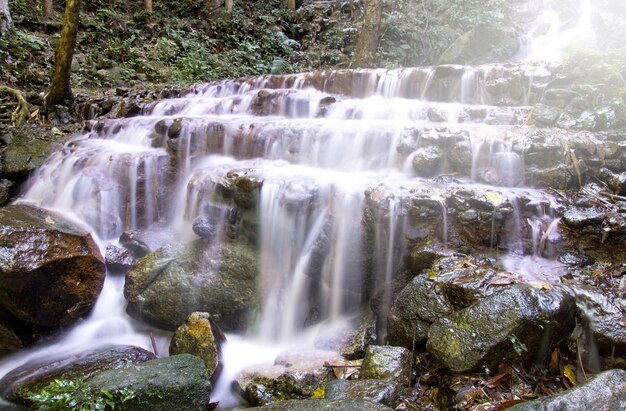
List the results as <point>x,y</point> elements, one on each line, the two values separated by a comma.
<point>25,153</point>
<point>577,217</point>
<point>322,405</point>
<point>165,287</point>
<point>118,260</point>
<point>5,190</point>
<point>51,270</point>
<point>204,227</point>
<point>162,384</point>
<point>199,337</point>
<point>426,161</point>
<point>417,306</point>
<point>387,363</point>
<point>604,392</point>
<point>294,375</point>
<point>9,341</point>
<point>602,317</point>
<point>519,322</point>
<point>376,391</point>
<point>36,375</point>
<point>9,406</point>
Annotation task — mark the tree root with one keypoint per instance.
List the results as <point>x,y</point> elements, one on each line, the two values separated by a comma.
<point>21,113</point>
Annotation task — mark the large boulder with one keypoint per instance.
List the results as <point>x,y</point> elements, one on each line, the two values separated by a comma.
<point>51,272</point>
<point>605,392</point>
<point>34,376</point>
<point>200,337</point>
<point>164,384</point>
<point>165,287</point>
<point>519,322</point>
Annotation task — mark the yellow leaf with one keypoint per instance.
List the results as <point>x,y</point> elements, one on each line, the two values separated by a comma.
<point>568,372</point>
<point>495,198</point>
<point>318,393</point>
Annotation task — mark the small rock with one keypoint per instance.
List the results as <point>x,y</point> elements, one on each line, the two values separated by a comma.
<point>118,260</point>
<point>583,217</point>
<point>322,405</point>
<point>199,336</point>
<point>387,363</point>
<point>204,227</point>
<point>376,391</point>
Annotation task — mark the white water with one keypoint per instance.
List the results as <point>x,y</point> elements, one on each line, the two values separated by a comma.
<point>316,161</point>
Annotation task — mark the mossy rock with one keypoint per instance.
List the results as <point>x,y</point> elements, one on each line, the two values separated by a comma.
<point>323,405</point>
<point>164,384</point>
<point>165,287</point>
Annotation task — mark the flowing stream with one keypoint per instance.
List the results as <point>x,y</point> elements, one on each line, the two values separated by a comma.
<point>323,144</point>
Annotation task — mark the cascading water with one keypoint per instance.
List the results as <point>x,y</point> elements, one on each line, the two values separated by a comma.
<point>326,147</point>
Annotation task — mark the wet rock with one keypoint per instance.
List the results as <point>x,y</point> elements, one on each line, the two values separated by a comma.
<point>376,391</point>
<point>604,392</point>
<point>323,404</point>
<point>482,45</point>
<point>560,177</point>
<point>5,190</point>
<point>387,363</point>
<point>165,287</point>
<point>544,115</point>
<point>8,406</point>
<point>175,129</point>
<point>9,341</point>
<point>361,338</point>
<point>518,322</point>
<point>118,260</point>
<point>576,217</point>
<point>293,376</point>
<point>573,259</point>
<point>199,337</point>
<point>162,384</point>
<point>460,157</point>
<point>36,375</point>
<point>51,270</point>
<point>602,317</point>
<point>142,243</point>
<point>417,306</point>
<point>247,191</point>
<point>204,227</point>
<point>426,161</point>
<point>25,153</point>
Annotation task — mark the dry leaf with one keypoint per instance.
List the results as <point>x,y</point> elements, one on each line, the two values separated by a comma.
<point>495,198</point>
<point>569,374</point>
<point>555,360</point>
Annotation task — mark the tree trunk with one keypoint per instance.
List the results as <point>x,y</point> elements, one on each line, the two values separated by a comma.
<point>291,4</point>
<point>6,23</point>
<point>229,5</point>
<point>47,8</point>
<point>148,6</point>
<point>369,35</point>
<point>60,90</point>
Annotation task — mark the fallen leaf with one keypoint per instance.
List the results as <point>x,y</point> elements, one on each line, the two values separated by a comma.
<point>568,372</point>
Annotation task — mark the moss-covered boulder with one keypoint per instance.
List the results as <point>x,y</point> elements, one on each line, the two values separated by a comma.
<point>164,384</point>
<point>377,391</point>
<point>27,152</point>
<point>34,376</point>
<point>165,287</point>
<point>199,337</point>
<point>417,306</point>
<point>323,404</point>
<point>520,322</point>
<point>51,271</point>
<point>604,392</point>
<point>387,363</point>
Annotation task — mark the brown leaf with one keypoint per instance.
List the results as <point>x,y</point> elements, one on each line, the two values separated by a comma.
<point>495,380</point>
<point>555,360</point>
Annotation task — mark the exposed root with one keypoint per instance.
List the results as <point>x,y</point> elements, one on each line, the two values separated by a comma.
<point>21,113</point>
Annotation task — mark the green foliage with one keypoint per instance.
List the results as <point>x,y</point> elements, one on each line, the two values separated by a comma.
<point>518,346</point>
<point>416,32</point>
<point>66,394</point>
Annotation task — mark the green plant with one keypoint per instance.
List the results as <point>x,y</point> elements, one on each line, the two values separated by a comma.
<point>75,395</point>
